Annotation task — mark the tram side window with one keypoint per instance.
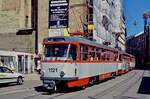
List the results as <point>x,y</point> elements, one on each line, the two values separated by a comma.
<point>92,53</point>
<point>120,58</point>
<point>107,57</point>
<point>84,52</point>
<point>115,57</point>
<point>73,52</point>
<point>98,54</point>
<point>110,56</point>
<point>103,55</point>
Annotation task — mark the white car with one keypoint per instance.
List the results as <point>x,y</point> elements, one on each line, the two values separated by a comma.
<point>8,76</point>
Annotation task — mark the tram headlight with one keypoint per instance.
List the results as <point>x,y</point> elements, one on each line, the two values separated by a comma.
<point>62,74</point>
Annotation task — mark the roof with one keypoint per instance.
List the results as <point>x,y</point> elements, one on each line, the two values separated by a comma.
<point>78,39</point>
<point>138,34</point>
<point>83,41</point>
<point>135,35</point>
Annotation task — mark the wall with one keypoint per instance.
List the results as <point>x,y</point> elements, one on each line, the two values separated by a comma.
<point>15,15</point>
<point>42,22</point>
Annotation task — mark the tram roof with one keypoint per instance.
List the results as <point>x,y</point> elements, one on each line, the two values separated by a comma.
<point>77,39</point>
<point>83,41</point>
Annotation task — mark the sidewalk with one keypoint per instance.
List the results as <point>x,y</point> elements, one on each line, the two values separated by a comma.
<point>33,76</point>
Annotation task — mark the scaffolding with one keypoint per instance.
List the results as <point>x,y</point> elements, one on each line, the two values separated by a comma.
<point>86,25</point>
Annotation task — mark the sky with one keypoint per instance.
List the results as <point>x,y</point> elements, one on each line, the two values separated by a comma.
<point>133,10</point>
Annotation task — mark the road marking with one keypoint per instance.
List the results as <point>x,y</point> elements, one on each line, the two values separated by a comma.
<point>17,91</point>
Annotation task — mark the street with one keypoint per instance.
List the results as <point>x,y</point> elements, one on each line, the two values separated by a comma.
<point>133,85</point>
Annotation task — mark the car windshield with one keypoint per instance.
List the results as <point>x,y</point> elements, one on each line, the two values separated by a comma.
<point>5,70</point>
<point>60,52</point>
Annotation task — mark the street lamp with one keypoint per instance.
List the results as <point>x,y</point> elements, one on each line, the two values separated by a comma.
<point>35,22</point>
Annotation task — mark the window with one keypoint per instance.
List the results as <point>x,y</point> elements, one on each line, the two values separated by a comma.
<point>92,53</point>
<point>60,52</point>
<point>5,70</point>
<point>98,54</point>
<point>56,51</point>
<point>8,61</point>
<point>73,52</point>
<point>107,55</point>
<point>115,57</point>
<point>103,54</point>
<point>1,70</point>
<point>84,52</point>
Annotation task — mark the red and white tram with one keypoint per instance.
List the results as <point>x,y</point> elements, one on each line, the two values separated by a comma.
<point>77,62</point>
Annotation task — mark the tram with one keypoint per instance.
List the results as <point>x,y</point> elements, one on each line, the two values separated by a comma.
<point>77,62</point>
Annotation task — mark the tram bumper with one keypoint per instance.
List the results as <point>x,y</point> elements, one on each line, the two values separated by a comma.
<point>50,85</point>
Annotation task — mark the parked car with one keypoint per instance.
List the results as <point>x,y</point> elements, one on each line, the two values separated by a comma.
<point>9,76</point>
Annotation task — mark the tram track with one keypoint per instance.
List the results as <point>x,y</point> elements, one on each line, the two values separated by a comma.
<point>50,95</point>
<point>117,86</point>
<point>101,93</point>
<point>95,88</point>
<point>130,86</point>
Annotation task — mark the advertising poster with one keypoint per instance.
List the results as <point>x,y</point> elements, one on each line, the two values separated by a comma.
<point>58,14</point>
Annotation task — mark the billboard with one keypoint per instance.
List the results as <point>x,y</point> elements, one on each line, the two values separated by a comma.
<point>58,13</point>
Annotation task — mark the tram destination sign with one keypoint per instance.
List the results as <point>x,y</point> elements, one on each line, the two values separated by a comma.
<point>58,14</point>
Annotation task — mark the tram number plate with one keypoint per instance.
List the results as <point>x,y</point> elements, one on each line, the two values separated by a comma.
<point>53,70</point>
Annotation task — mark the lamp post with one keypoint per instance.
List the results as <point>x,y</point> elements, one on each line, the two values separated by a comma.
<point>35,22</point>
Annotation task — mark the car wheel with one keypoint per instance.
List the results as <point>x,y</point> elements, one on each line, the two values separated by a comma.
<point>19,81</point>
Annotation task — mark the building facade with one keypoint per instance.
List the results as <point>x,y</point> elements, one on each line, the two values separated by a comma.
<point>27,22</point>
<point>16,31</point>
<point>136,45</point>
<point>98,20</point>
<point>139,44</point>
<point>146,17</point>
<point>109,23</point>
<point>17,35</point>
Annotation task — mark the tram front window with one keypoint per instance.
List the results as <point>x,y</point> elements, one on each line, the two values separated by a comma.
<point>58,52</point>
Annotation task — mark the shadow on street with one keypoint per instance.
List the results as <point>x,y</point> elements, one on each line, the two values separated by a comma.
<point>40,89</point>
<point>145,86</point>
<point>43,90</point>
<point>62,91</point>
<point>8,85</point>
<point>142,67</point>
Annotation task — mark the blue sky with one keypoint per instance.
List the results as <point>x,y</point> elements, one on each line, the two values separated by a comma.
<point>133,10</point>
